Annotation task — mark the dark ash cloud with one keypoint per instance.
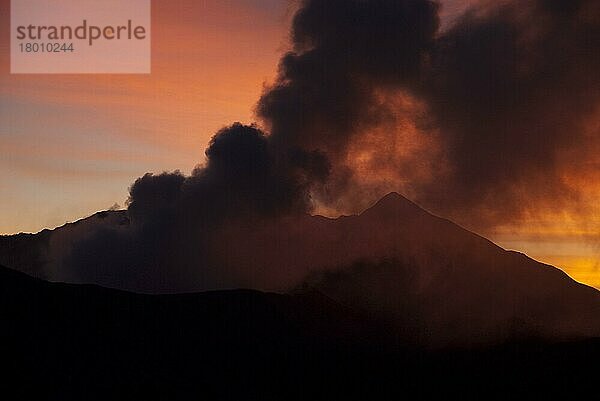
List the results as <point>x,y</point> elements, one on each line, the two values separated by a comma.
<point>508,90</point>
<point>167,246</point>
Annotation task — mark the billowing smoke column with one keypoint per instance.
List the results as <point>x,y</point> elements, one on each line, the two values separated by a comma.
<point>507,92</point>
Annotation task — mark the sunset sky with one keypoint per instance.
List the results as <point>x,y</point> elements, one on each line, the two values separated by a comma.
<point>71,145</point>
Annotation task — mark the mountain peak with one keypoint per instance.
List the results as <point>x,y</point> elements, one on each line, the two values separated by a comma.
<point>394,203</point>
<point>393,197</point>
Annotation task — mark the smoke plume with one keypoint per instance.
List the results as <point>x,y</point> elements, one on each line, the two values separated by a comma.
<point>506,95</point>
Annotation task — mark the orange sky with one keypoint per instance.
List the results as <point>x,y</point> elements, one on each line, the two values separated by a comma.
<point>72,144</point>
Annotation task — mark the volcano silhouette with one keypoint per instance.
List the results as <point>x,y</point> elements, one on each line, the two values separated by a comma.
<point>430,281</point>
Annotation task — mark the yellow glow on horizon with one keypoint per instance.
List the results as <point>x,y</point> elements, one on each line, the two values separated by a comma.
<point>585,270</point>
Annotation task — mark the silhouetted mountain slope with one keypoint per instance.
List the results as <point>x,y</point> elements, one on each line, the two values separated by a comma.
<point>439,283</point>
<point>42,254</point>
<point>62,342</point>
<point>431,281</point>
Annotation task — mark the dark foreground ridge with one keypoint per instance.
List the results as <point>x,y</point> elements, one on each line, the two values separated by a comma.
<point>80,342</point>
